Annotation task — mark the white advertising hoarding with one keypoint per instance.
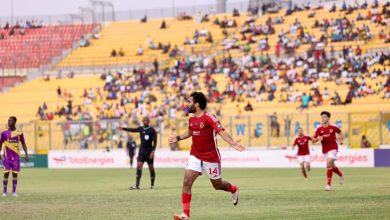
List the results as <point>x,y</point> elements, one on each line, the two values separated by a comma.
<point>87,159</point>
<point>230,158</point>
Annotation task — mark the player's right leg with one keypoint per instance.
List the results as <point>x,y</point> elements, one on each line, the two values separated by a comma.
<point>193,170</point>
<point>7,167</point>
<point>140,164</point>
<point>5,182</point>
<point>329,172</point>
<point>301,160</point>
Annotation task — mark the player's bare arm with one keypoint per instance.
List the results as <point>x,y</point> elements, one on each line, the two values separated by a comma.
<point>25,151</point>
<point>174,139</point>
<point>341,137</point>
<point>235,144</point>
<point>316,139</point>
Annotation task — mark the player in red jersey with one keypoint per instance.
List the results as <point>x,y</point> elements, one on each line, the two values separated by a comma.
<point>203,127</point>
<point>302,141</point>
<point>326,133</point>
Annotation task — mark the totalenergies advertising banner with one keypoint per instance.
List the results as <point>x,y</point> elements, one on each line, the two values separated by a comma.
<point>230,158</point>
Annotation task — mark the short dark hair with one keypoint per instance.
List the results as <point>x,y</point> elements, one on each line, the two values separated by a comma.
<point>199,98</point>
<point>14,118</point>
<point>325,113</point>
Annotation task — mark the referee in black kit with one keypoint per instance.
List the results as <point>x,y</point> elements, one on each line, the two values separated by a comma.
<point>146,151</point>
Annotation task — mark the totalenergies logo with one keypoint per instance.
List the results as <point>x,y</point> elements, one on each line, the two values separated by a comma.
<point>60,160</point>
<point>291,158</point>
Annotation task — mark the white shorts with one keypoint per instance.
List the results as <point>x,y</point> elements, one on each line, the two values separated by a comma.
<point>303,158</point>
<point>213,169</point>
<point>331,154</point>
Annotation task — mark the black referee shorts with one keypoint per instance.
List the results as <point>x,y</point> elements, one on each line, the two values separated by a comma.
<point>145,157</point>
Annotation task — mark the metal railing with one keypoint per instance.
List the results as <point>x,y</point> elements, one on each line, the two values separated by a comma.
<point>255,130</point>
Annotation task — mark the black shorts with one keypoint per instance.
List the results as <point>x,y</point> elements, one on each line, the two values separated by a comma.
<point>145,157</point>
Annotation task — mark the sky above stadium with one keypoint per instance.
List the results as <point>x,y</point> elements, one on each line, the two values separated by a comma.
<point>55,7</point>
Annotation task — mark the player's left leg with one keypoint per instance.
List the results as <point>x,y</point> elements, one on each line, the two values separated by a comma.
<point>152,174</point>
<point>215,174</point>
<point>219,184</point>
<point>307,165</point>
<point>329,173</point>
<point>303,169</point>
<point>336,170</point>
<point>14,182</point>
<point>15,171</point>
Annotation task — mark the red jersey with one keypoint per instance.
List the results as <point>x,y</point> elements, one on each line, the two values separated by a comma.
<point>303,145</point>
<point>204,131</point>
<point>329,137</point>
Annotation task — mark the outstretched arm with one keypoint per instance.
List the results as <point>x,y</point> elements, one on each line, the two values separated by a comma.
<point>235,144</point>
<point>174,139</point>
<point>129,129</point>
<point>316,139</point>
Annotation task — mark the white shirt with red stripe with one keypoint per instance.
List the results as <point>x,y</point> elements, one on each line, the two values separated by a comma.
<point>204,130</point>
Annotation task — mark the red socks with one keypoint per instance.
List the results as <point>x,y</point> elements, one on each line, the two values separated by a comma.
<point>186,200</point>
<point>232,188</point>
<point>329,173</point>
<point>338,171</point>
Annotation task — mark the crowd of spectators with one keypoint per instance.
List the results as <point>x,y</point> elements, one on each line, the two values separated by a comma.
<point>19,28</point>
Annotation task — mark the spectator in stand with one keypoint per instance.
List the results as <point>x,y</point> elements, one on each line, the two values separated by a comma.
<point>84,42</point>
<point>113,53</point>
<point>236,13</point>
<point>364,143</point>
<point>336,100</point>
<point>163,25</point>
<point>121,53</point>
<point>248,107</point>
<point>305,101</point>
<point>6,26</point>
<point>140,51</point>
<point>144,19</point>
<point>275,126</point>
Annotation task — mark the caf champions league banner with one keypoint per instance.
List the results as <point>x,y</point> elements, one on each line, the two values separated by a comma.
<point>230,158</point>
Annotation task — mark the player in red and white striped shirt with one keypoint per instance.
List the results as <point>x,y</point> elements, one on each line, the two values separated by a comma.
<point>203,127</point>
<point>302,141</point>
<point>326,133</point>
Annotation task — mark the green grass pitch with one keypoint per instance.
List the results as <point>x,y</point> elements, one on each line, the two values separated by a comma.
<point>265,194</point>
